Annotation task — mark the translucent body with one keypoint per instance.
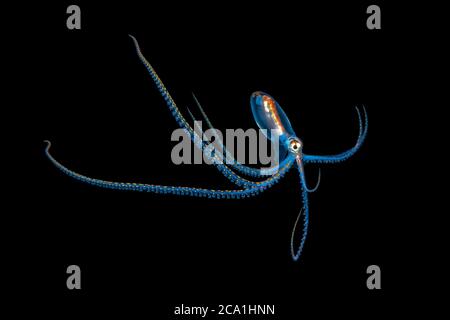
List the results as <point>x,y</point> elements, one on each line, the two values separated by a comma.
<point>269,116</point>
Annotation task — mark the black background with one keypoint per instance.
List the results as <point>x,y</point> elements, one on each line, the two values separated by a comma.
<point>144,254</point>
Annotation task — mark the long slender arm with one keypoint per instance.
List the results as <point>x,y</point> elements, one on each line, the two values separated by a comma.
<point>305,211</point>
<point>187,191</point>
<point>232,176</point>
<point>344,155</point>
<point>301,170</point>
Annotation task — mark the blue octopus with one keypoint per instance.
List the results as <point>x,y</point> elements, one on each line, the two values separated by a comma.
<point>268,115</point>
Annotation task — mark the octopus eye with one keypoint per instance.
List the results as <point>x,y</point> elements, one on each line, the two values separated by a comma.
<point>295,145</point>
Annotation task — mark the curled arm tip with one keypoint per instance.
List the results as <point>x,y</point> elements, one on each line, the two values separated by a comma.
<point>316,186</point>
<point>49,144</point>
<point>296,256</point>
<point>363,125</point>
